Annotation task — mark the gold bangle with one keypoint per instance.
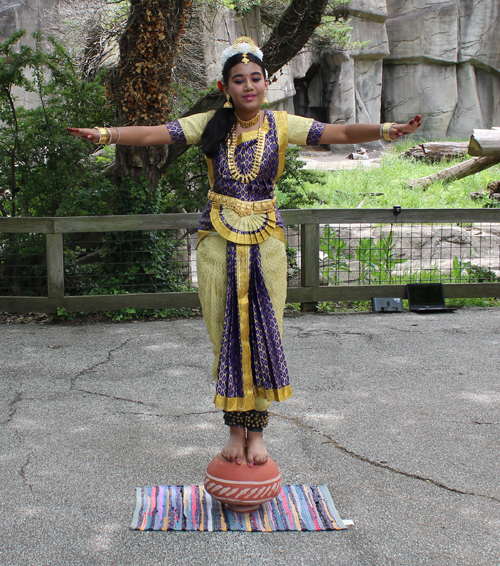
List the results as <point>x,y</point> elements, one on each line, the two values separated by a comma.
<point>103,136</point>
<point>384,130</point>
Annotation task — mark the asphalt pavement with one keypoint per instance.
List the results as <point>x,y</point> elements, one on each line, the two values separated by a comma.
<point>397,413</point>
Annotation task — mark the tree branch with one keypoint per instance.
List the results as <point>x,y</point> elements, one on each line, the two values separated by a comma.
<point>292,32</point>
<point>459,171</point>
<point>288,37</point>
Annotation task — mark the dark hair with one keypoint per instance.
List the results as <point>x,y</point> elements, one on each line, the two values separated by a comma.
<point>219,127</point>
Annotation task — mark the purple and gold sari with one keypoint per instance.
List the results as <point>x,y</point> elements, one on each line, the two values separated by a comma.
<point>241,259</point>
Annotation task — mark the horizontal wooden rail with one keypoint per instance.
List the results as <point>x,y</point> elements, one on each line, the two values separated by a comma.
<point>75,224</point>
<point>308,294</point>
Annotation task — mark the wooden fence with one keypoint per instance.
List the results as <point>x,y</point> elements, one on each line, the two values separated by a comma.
<point>308,293</point>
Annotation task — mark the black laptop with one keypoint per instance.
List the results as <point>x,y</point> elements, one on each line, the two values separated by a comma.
<point>427,297</point>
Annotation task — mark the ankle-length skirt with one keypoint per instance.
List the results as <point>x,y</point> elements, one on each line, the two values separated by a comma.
<point>242,289</point>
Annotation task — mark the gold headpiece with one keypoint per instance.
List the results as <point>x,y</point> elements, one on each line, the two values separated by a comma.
<point>243,45</point>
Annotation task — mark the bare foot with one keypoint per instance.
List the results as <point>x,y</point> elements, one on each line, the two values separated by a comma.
<point>234,449</point>
<point>256,451</point>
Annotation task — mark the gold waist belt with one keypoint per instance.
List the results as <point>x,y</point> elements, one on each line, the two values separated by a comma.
<point>243,207</point>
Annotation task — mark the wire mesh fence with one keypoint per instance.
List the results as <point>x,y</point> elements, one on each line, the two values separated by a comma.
<point>154,261</point>
<point>23,265</point>
<point>368,254</point>
<point>336,250</point>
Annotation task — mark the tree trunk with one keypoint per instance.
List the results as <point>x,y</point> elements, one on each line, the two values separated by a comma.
<point>139,86</point>
<point>485,142</point>
<point>437,151</point>
<point>292,32</point>
<point>459,171</point>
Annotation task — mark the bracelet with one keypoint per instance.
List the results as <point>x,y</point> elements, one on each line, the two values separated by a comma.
<point>384,131</point>
<point>118,132</point>
<point>110,137</point>
<point>104,136</point>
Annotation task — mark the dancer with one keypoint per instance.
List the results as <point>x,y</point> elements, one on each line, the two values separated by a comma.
<point>241,254</point>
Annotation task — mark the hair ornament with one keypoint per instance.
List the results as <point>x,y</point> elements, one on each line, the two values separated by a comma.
<point>243,45</point>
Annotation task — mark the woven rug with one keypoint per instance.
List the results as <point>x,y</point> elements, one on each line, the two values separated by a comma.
<point>191,508</point>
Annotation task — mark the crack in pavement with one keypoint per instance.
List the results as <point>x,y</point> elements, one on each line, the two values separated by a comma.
<point>212,412</point>
<point>353,454</point>
<point>135,414</point>
<point>13,408</point>
<point>307,333</point>
<point>22,473</point>
<point>115,398</point>
<point>74,387</point>
<point>93,367</point>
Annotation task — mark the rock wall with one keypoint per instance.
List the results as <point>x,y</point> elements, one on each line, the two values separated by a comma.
<point>439,58</point>
<point>28,15</point>
<point>443,61</point>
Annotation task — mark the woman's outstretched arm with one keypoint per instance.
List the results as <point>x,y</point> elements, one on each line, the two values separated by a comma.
<point>126,135</point>
<point>362,133</point>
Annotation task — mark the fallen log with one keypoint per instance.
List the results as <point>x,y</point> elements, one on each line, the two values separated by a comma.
<point>458,171</point>
<point>485,142</point>
<point>434,152</point>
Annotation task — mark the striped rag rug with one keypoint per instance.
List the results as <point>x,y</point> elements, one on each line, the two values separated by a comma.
<point>191,508</point>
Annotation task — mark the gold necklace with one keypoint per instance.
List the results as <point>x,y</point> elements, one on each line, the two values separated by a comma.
<point>257,159</point>
<point>248,123</point>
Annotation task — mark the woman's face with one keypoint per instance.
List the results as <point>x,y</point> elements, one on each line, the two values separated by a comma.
<point>247,87</point>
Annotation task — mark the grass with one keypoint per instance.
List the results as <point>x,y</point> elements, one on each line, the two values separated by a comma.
<point>384,187</point>
<point>387,185</point>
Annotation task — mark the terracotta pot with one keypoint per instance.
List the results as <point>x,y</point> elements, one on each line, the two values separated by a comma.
<point>241,488</point>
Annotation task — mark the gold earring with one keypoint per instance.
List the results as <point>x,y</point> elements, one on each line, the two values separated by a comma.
<point>228,102</point>
<point>265,100</point>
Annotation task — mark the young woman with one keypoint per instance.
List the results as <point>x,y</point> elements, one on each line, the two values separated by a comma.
<point>241,259</point>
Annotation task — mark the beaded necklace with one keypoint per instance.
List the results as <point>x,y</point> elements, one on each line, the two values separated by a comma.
<point>257,159</point>
<point>248,123</point>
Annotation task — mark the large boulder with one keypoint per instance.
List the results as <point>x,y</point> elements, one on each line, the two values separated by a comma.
<point>443,62</point>
<point>16,16</point>
<point>423,88</point>
<point>439,58</point>
<point>433,57</point>
<point>425,33</point>
<point>479,24</point>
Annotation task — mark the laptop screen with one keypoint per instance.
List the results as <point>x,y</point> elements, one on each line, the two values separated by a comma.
<point>425,295</point>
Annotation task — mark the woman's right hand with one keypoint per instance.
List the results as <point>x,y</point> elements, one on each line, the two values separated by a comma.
<point>90,134</point>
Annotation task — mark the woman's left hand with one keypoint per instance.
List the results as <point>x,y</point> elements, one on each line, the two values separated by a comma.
<point>398,130</point>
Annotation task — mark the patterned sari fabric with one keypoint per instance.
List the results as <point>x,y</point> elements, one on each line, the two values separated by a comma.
<point>241,258</point>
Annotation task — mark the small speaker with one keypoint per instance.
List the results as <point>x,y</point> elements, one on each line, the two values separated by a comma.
<point>387,304</point>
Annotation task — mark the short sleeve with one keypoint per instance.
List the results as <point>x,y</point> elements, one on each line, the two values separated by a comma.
<point>188,130</point>
<point>304,131</point>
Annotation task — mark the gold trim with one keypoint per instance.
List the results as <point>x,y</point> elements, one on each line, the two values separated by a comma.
<point>243,285</point>
<point>277,233</point>
<point>210,166</point>
<point>252,134</point>
<point>247,239</point>
<point>243,207</point>
<point>193,126</point>
<point>241,404</point>
<point>281,119</point>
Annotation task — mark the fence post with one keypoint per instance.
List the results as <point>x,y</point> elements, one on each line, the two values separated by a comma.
<point>55,267</point>
<point>309,262</point>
